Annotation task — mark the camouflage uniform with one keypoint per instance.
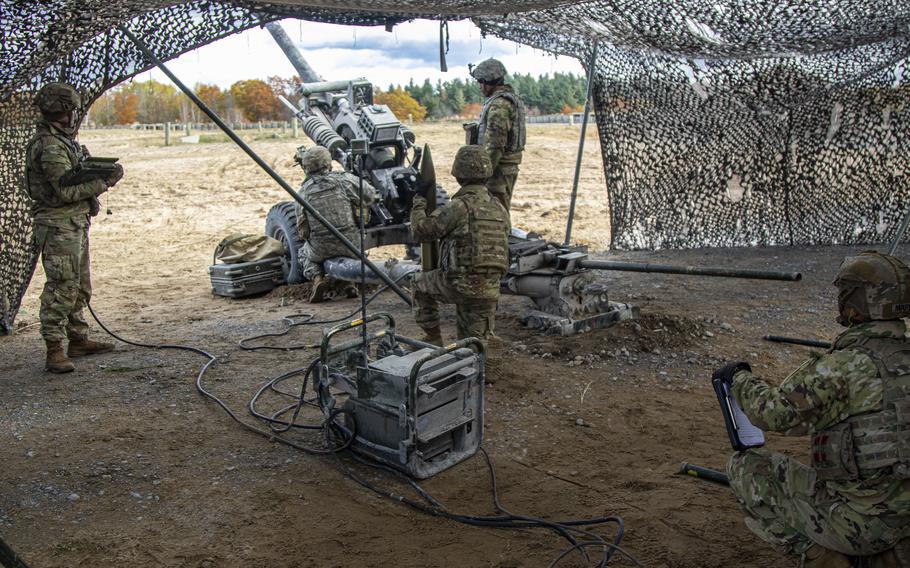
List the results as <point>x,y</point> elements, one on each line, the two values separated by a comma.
<point>502,133</point>
<point>336,196</point>
<point>859,505</point>
<point>473,257</point>
<point>61,217</point>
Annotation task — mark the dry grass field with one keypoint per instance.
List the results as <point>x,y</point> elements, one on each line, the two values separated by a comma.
<point>123,463</point>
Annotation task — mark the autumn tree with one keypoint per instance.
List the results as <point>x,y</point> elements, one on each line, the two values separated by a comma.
<point>214,98</point>
<point>256,100</point>
<point>126,106</point>
<point>401,103</point>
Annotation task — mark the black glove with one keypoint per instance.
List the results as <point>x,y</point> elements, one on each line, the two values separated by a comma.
<point>422,190</point>
<point>115,176</point>
<point>726,372</point>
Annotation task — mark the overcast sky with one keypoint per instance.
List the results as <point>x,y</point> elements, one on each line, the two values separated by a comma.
<point>410,51</point>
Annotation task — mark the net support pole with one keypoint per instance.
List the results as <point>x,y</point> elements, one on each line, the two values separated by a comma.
<point>581,142</point>
<point>268,169</point>
<point>900,233</point>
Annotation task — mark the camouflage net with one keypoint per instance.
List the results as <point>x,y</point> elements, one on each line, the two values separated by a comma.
<point>722,122</point>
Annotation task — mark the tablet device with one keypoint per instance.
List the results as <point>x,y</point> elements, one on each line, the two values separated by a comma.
<point>743,434</point>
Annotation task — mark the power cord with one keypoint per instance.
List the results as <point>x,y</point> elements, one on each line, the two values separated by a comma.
<point>338,438</point>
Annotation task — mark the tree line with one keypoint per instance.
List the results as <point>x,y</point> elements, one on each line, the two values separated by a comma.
<point>254,100</point>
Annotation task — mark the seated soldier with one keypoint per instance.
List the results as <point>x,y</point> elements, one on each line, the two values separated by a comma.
<point>853,501</point>
<point>335,195</point>
<point>473,251</point>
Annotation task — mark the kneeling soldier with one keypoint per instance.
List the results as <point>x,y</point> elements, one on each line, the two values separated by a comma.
<point>474,251</point>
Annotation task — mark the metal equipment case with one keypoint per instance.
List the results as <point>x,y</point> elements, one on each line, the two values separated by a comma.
<point>247,278</point>
<point>419,411</point>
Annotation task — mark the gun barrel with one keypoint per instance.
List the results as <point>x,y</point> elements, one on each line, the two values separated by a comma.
<point>307,73</point>
<point>691,270</point>
<point>308,89</point>
<point>798,341</point>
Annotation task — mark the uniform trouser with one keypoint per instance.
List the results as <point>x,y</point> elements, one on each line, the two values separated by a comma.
<point>787,508</point>
<point>502,184</point>
<point>65,257</point>
<point>312,256</point>
<point>475,317</point>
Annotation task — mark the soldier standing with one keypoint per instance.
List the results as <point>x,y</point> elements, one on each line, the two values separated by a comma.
<point>335,195</point>
<point>854,498</point>
<point>473,251</point>
<point>501,128</point>
<point>62,218</point>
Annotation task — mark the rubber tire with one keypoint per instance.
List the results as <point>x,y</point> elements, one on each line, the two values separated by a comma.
<point>281,224</point>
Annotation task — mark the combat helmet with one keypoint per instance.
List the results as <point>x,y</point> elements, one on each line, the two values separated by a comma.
<point>472,163</point>
<point>489,71</point>
<point>872,286</point>
<point>56,98</point>
<point>316,159</point>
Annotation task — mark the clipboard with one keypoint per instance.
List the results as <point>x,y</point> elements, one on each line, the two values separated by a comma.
<point>743,434</point>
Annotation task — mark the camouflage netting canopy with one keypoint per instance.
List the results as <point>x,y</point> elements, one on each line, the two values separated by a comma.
<point>722,122</point>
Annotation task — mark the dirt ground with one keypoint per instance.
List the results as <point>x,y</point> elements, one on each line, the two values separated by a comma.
<point>123,463</point>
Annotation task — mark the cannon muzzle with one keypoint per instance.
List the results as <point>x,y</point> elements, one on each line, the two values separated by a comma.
<point>690,270</point>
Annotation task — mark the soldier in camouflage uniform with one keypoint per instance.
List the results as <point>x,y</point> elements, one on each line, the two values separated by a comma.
<point>335,195</point>
<point>854,498</point>
<point>62,218</point>
<point>473,251</point>
<point>501,129</point>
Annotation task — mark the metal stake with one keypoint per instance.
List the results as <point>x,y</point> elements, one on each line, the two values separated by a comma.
<point>284,185</point>
<point>581,141</point>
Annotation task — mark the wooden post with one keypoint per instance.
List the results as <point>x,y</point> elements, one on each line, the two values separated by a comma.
<point>295,126</point>
<point>167,133</point>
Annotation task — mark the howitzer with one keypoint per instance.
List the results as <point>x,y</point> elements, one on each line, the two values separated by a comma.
<point>89,168</point>
<point>333,114</point>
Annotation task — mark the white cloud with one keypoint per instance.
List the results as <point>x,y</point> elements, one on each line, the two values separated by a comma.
<point>410,51</point>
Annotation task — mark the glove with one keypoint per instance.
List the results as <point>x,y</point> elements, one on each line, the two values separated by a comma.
<point>115,176</point>
<point>726,372</point>
<point>422,190</point>
<point>94,207</point>
<point>420,202</point>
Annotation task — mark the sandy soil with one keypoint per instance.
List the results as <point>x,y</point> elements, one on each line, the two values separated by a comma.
<point>123,464</point>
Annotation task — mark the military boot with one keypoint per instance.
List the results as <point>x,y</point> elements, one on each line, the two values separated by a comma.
<point>432,335</point>
<point>820,557</point>
<point>82,346</point>
<point>57,361</point>
<point>319,288</point>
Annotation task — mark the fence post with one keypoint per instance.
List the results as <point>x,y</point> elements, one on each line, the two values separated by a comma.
<point>295,127</point>
<point>167,133</point>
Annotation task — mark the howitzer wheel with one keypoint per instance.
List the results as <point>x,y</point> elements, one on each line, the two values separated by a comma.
<point>281,224</point>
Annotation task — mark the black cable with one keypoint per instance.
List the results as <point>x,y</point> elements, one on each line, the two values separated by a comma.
<point>338,438</point>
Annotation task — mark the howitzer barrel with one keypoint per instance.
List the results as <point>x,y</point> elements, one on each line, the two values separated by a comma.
<point>691,270</point>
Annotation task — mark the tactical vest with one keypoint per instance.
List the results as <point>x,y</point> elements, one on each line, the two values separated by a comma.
<point>516,142</point>
<point>326,193</point>
<point>478,248</point>
<point>876,442</point>
<point>39,189</point>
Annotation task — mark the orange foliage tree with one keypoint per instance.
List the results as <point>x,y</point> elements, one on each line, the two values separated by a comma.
<point>126,106</point>
<point>256,100</point>
<point>471,110</point>
<point>401,103</point>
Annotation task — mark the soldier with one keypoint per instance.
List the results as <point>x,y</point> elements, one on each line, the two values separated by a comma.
<point>854,498</point>
<point>336,196</point>
<point>473,251</point>
<point>502,128</point>
<point>62,217</point>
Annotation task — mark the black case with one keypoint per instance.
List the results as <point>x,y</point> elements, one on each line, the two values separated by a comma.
<point>733,429</point>
<point>247,278</point>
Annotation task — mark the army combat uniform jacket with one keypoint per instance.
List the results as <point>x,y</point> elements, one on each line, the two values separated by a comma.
<point>502,133</point>
<point>61,216</point>
<point>855,497</point>
<point>335,195</point>
<point>473,257</point>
